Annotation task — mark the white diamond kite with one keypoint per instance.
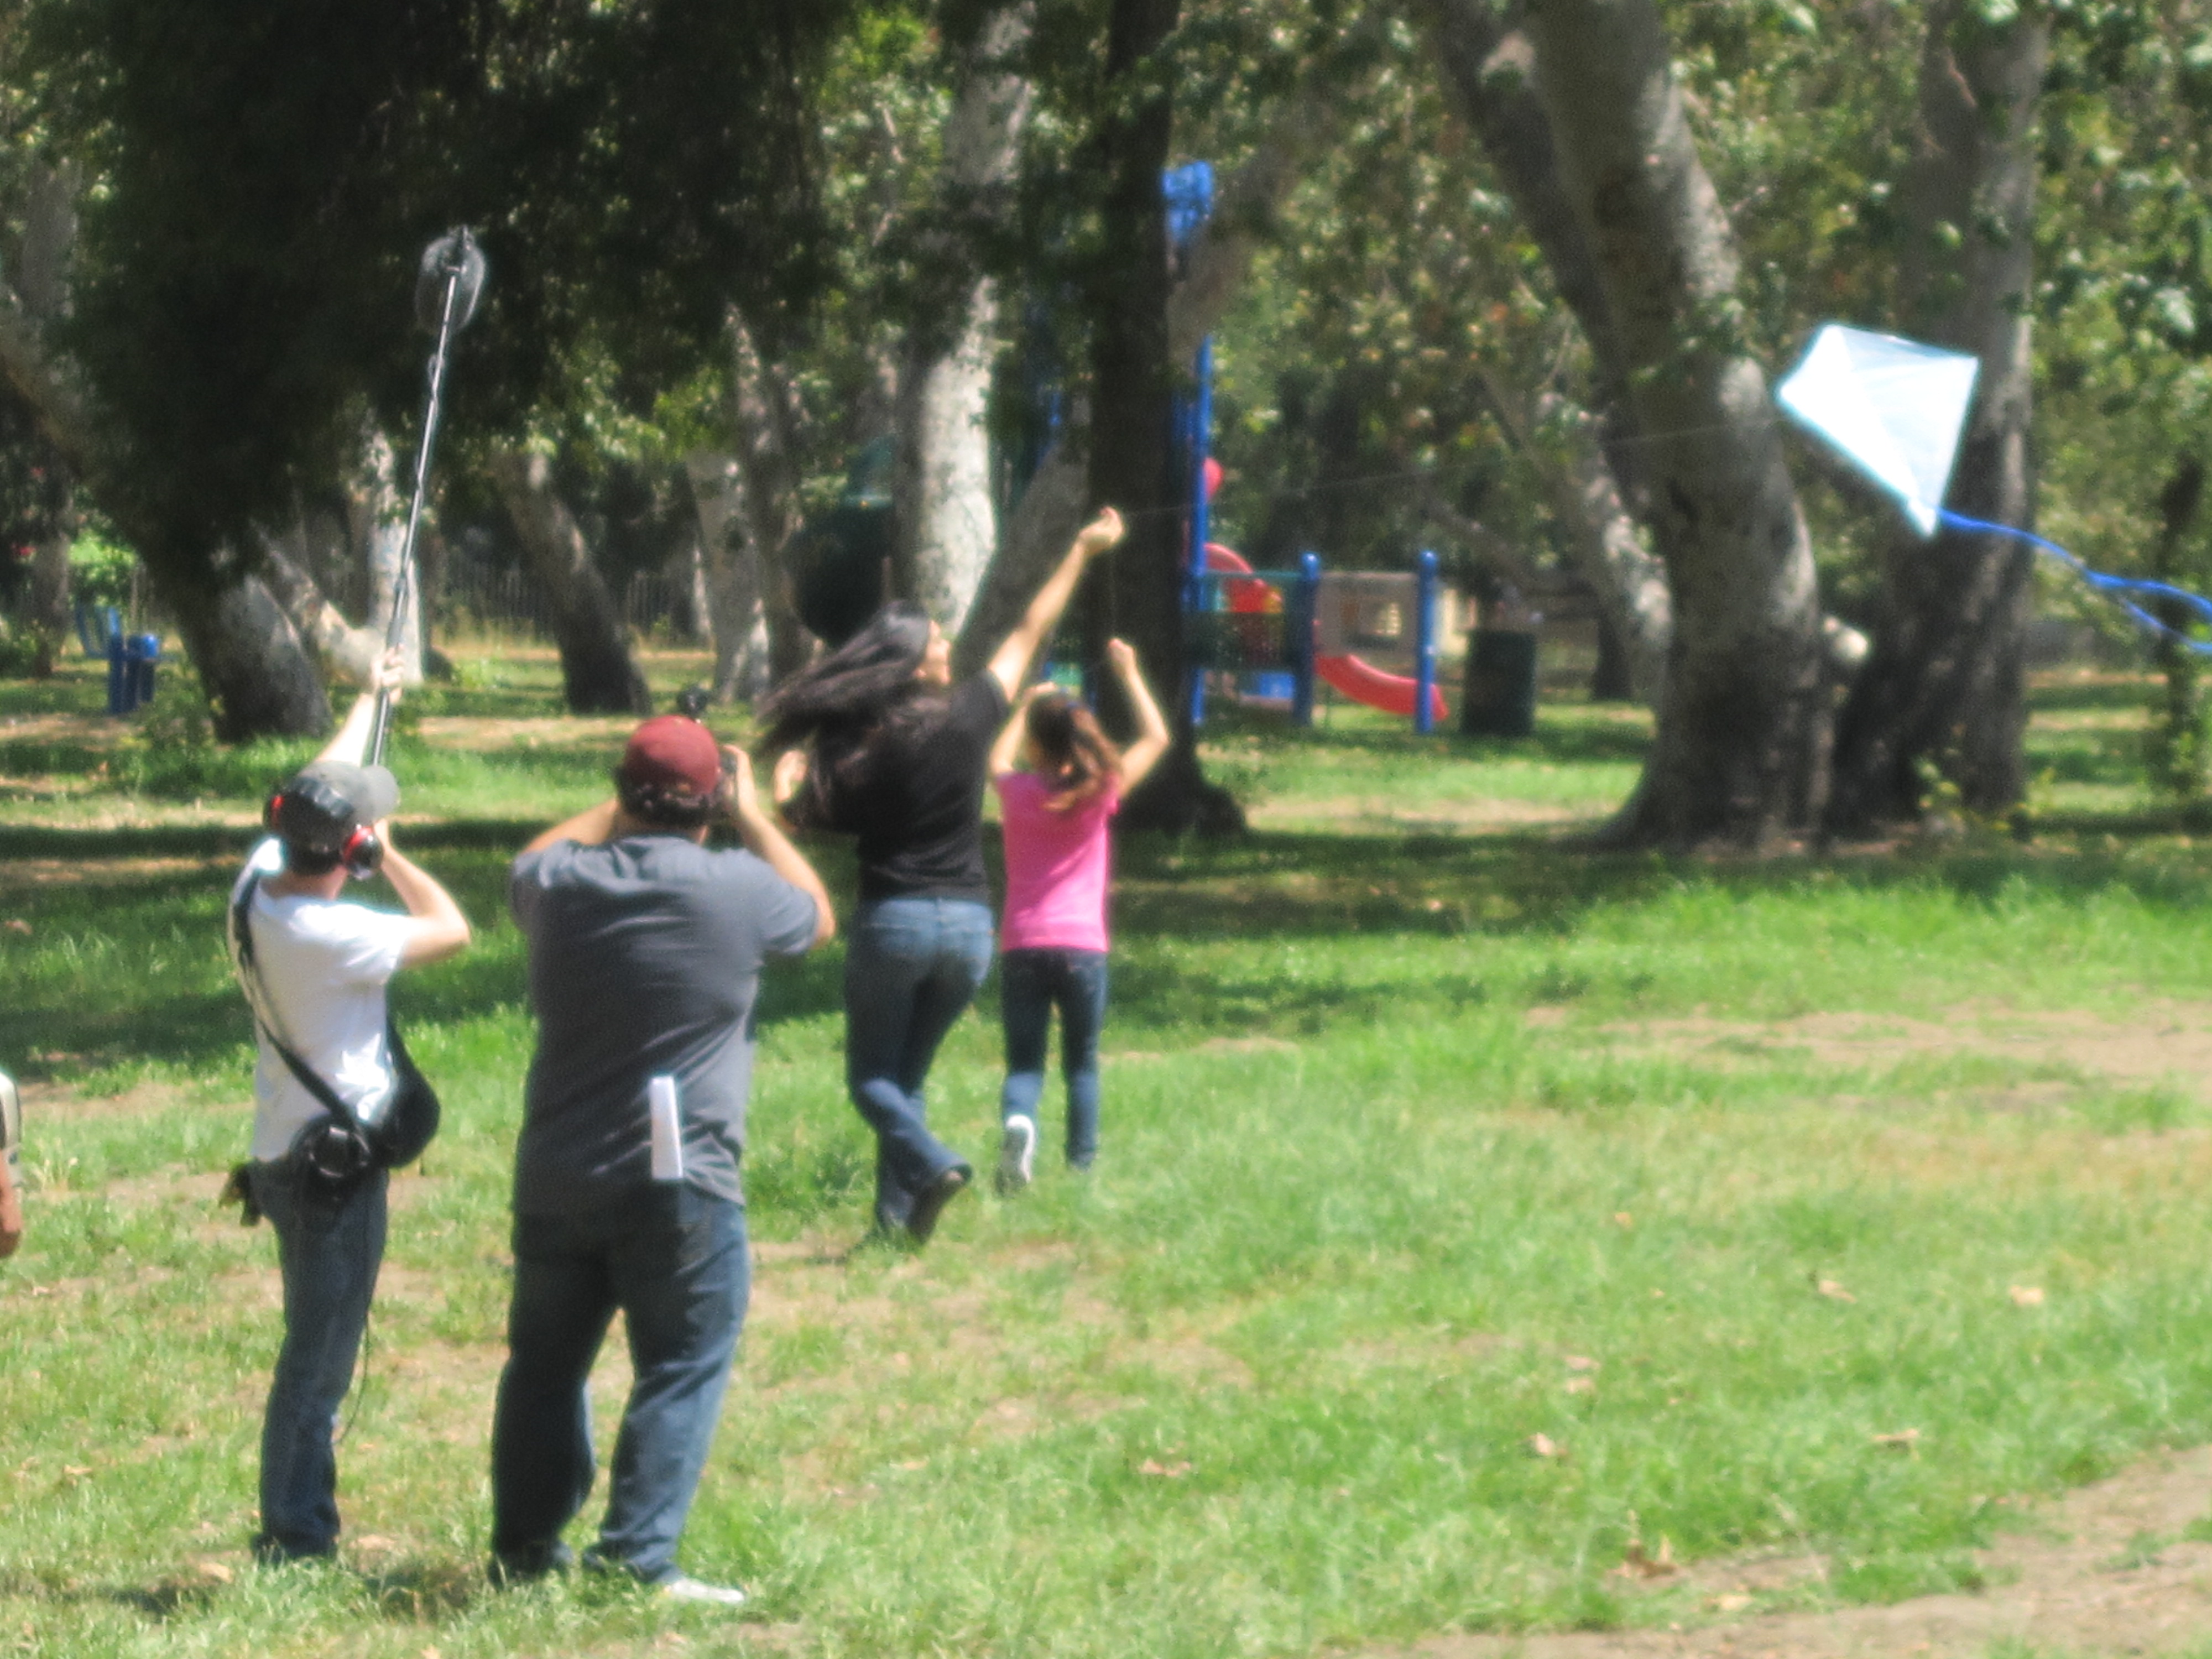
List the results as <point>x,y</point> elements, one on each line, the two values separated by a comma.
<point>1895,408</point>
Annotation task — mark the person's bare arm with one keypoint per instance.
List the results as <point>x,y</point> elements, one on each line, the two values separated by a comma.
<point>588,828</point>
<point>1010,663</point>
<point>1007,750</point>
<point>349,743</point>
<point>1152,734</point>
<point>441,930</point>
<point>765,840</point>
<point>11,1212</point>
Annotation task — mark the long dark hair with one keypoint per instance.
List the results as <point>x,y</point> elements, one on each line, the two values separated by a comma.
<point>845,705</point>
<point>1078,759</point>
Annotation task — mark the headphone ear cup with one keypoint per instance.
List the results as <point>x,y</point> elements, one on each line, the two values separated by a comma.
<point>363,852</point>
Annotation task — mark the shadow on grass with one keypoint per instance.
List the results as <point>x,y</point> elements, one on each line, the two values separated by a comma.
<point>1559,740</point>
<point>409,1592</point>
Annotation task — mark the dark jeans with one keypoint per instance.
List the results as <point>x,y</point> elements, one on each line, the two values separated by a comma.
<point>674,1260</point>
<point>328,1254</point>
<point>912,965</point>
<point>1031,984</point>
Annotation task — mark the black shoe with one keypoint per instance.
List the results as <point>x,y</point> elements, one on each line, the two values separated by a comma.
<point>532,1562</point>
<point>270,1551</point>
<point>929,1203</point>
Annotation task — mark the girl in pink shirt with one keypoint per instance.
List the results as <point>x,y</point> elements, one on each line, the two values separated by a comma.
<point>1053,815</point>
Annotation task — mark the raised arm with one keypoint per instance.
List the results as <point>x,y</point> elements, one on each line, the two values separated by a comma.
<point>441,930</point>
<point>11,1211</point>
<point>349,743</point>
<point>766,841</point>
<point>1010,663</point>
<point>1152,734</point>
<point>1006,752</point>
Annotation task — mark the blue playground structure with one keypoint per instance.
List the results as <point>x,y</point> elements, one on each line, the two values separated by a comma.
<point>1259,628</point>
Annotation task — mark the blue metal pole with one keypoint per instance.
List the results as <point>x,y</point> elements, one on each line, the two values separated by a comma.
<point>1304,616</point>
<point>1425,643</point>
<point>117,682</point>
<point>1188,199</point>
<point>1202,428</point>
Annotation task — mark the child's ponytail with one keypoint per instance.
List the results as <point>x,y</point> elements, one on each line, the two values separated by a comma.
<point>1076,759</point>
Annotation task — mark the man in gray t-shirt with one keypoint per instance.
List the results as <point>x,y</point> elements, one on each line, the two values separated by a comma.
<point>646,948</point>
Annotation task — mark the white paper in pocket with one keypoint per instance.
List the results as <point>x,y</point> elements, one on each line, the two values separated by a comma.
<point>667,1129</point>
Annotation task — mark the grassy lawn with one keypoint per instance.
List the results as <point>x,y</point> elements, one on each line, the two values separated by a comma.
<point>1477,1218</point>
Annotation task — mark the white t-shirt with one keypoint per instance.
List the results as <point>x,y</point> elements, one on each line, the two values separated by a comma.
<point>321,967</point>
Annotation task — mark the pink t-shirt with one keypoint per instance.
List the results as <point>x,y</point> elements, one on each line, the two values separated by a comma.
<point>1056,866</point>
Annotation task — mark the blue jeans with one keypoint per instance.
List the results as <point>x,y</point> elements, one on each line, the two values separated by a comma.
<point>1031,984</point>
<point>912,966</point>
<point>329,1254</point>
<point>674,1260</point>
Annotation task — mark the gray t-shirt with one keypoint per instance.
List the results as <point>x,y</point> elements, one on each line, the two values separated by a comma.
<point>645,958</point>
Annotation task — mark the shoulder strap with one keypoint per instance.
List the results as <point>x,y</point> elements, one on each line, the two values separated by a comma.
<point>249,974</point>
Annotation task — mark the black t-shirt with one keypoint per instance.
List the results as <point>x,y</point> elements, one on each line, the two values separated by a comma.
<point>917,805</point>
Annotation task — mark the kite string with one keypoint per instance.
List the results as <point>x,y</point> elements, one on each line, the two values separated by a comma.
<point>2116,587</point>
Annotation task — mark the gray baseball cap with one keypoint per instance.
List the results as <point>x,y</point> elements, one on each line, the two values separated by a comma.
<point>319,804</point>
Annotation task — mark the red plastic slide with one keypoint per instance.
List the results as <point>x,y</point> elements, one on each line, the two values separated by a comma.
<point>1391,693</point>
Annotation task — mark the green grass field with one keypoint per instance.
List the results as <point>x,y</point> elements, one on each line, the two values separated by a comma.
<point>1476,1215</point>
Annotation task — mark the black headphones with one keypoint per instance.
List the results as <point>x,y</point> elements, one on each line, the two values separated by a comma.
<point>666,809</point>
<point>308,814</point>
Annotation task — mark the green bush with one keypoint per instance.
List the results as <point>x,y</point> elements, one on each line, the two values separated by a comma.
<point>99,570</point>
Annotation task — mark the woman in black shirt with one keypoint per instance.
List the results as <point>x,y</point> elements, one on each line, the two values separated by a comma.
<point>894,754</point>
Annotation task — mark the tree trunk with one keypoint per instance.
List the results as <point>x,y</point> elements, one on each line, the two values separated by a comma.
<point>2176,746</point>
<point>1741,751</point>
<point>764,411</point>
<point>947,528</point>
<point>42,268</point>
<point>1605,542</point>
<point>1947,682</point>
<point>730,576</point>
<point>378,512</point>
<point>1613,676</point>
<point>48,602</point>
<point>259,678</point>
<point>1137,593</point>
<point>1038,533</point>
<point>284,567</point>
<point>598,676</point>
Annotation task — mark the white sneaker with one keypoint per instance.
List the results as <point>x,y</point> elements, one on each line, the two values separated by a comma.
<point>1017,1154</point>
<point>684,1588</point>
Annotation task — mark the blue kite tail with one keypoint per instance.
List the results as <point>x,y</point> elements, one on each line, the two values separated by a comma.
<point>2115,588</point>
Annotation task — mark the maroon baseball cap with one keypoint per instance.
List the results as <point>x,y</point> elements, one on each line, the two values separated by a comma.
<point>675,753</point>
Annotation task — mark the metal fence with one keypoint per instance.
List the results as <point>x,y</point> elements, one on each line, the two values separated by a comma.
<point>654,603</point>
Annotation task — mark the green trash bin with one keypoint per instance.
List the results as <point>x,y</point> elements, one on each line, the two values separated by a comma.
<point>1499,698</point>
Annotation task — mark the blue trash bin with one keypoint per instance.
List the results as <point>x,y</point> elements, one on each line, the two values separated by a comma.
<point>131,660</point>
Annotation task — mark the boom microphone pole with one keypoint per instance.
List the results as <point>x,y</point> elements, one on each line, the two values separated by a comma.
<point>447,285</point>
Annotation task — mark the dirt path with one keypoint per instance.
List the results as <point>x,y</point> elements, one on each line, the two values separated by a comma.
<point>2106,1573</point>
<point>2162,1040</point>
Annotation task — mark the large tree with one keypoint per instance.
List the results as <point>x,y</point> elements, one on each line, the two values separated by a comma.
<point>1139,594</point>
<point>1947,685</point>
<point>242,298</point>
<point>1741,745</point>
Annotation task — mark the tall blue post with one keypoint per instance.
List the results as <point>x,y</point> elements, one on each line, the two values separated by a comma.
<point>1188,191</point>
<point>1425,643</point>
<point>1201,429</point>
<point>1304,615</point>
<point>119,679</point>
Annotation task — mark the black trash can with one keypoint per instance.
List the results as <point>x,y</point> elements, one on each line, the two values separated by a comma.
<point>1499,698</point>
